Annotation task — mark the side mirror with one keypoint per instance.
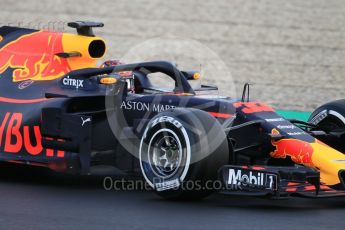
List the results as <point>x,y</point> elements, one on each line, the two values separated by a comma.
<point>191,75</point>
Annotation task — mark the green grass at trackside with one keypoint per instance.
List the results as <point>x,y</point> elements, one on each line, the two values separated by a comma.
<point>294,114</point>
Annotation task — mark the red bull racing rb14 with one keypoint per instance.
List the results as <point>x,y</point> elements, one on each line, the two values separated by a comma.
<point>59,109</point>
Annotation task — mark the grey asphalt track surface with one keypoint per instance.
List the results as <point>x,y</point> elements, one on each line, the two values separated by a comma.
<point>37,199</point>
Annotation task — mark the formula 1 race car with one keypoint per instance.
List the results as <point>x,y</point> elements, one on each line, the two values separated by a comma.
<point>59,110</point>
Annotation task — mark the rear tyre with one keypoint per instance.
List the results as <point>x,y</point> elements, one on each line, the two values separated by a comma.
<point>180,153</point>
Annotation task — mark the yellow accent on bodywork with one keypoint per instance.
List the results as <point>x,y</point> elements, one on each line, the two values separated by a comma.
<point>329,161</point>
<point>77,43</point>
<point>108,81</point>
<point>196,76</point>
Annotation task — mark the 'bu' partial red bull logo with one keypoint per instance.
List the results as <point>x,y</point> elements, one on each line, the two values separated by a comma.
<point>16,138</point>
<point>301,152</point>
<point>32,57</point>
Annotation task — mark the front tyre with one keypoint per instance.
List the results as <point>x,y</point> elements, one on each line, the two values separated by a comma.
<point>331,118</point>
<point>180,153</point>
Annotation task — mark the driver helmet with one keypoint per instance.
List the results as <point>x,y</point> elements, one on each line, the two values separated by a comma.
<point>128,76</point>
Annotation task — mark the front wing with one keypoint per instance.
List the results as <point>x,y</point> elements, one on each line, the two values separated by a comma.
<point>275,182</point>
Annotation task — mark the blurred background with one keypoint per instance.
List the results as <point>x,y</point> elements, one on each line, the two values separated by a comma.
<point>292,51</point>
